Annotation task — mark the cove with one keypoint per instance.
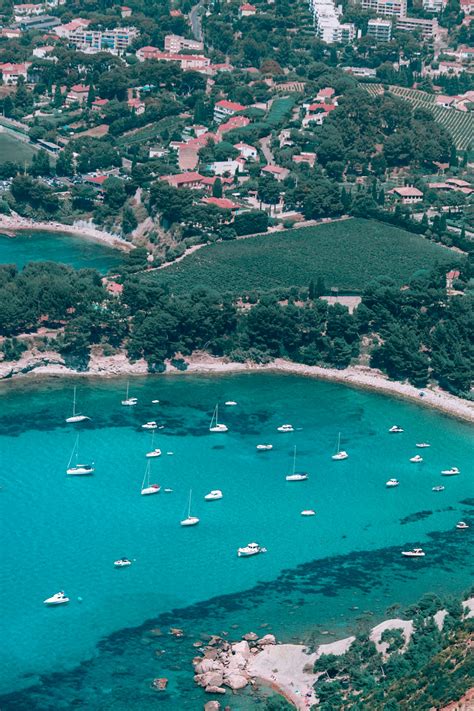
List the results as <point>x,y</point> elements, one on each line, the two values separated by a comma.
<point>64,533</point>
<point>37,246</point>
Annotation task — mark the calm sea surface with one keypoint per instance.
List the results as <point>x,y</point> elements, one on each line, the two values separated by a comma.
<point>325,574</point>
<point>78,252</point>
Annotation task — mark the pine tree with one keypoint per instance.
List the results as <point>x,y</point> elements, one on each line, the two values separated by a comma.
<point>311,290</point>
<point>320,287</point>
<point>345,199</point>
<point>90,96</point>
<point>381,197</point>
<point>58,97</point>
<point>217,188</point>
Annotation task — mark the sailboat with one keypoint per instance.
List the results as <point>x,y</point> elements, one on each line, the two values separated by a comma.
<point>190,520</point>
<point>148,488</point>
<point>215,426</point>
<point>154,452</point>
<point>340,453</point>
<point>78,469</point>
<point>296,476</point>
<point>129,401</point>
<point>75,417</point>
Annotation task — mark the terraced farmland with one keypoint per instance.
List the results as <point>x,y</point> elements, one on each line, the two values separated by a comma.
<point>460,124</point>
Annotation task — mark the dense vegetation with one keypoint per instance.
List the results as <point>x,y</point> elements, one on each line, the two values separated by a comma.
<point>345,254</point>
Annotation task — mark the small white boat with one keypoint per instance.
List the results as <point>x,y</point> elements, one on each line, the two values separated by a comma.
<point>148,488</point>
<point>75,417</point>
<point>422,445</point>
<point>129,401</point>
<point>450,472</point>
<point>214,495</point>
<point>286,428</point>
<point>264,447</point>
<point>58,599</point>
<point>150,425</point>
<point>78,469</point>
<point>340,453</point>
<point>230,403</point>
<point>416,459</point>
<point>250,549</point>
<point>296,476</point>
<point>153,453</point>
<point>122,563</point>
<point>189,520</point>
<point>415,553</point>
<point>215,426</point>
<point>395,429</point>
<point>167,491</point>
<point>462,525</point>
<point>308,512</point>
<point>392,482</point>
<point>438,488</point>
<point>155,402</point>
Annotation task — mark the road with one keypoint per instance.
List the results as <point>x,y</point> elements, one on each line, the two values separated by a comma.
<point>195,21</point>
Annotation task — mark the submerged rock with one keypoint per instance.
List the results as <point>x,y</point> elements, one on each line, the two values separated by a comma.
<point>267,639</point>
<point>215,690</point>
<point>250,637</point>
<point>212,706</point>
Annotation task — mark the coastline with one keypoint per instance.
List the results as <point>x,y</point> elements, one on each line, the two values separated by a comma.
<point>11,224</point>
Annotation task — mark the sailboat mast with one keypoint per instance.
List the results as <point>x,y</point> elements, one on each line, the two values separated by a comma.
<point>74,402</point>
<point>189,507</point>
<point>294,459</point>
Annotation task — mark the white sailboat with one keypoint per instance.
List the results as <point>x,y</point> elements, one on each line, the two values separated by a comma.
<point>78,469</point>
<point>215,426</point>
<point>129,401</point>
<point>75,417</point>
<point>154,452</point>
<point>454,471</point>
<point>264,447</point>
<point>340,453</point>
<point>415,553</point>
<point>395,429</point>
<point>189,520</point>
<point>296,476</point>
<point>148,488</point>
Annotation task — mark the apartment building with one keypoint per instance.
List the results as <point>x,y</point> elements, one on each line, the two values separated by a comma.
<point>380,30</point>
<point>176,43</point>
<point>114,41</point>
<point>66,30</point>
<point>434,6</point>
<point>225,109</point>
<point>426,28</point>
<point>391,8</point>
<point>12,72</point>
<point>326,21</point>
<point>196,62</point>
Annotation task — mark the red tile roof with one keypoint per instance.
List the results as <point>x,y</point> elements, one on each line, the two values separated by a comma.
<point>223,203</point>
<point>230,105</point>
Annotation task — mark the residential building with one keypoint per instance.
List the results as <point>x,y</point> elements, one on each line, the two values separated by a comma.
<point>233,122</point>
<point>379,29</point>
<point>191,180</point>
<point>99,104</point>
<point>77,94</point>
<point>27,10</point>
<point>317,113</point>
<point>326,95</point>
<point>176,43</point>
<point>115,41</point>
<point>395,8</point>
<point>426,28</point>
<point>465,53</point>
<point>247,151</point>
<point>226,167</point>
<point>44,52</point>
<point>327,24</point>
<point>65,31</point>
<point>125,11</point>
<point>467,7</point>
<point>407,195</point>
<point>38,22</point>
<point>223,203</point>
<point>434,6</point>
<point>276,171</point>
<point>247,10</point>
<point>445,101</point>
<point>196,62</point>
<point>305,157</point>
<point>12,72</point>
<point>367,72</point>
<point>224,109</point>
<point>137,106</point>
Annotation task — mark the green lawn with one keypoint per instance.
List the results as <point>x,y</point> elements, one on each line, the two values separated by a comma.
<point>347,254</point>
<point>11,148</point>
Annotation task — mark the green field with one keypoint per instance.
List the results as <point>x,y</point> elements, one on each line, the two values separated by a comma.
<point>11,148</point>
<point>346,254</point>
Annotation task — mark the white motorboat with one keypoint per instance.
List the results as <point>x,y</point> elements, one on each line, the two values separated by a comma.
<point>450,472</point>
<point>78,469</point>
<point>340,453</point>
<point>394,429</point>
<point>167,491</point>
<point>416,459</point>
<point>214,495</point>
<point>308,512</point>
<point>155,402</point>
<point>148,488</point>
<point>296,476</point>
<point>422,445</point>
<point>75,417</point>
<point>286,428</point>
<point>438,488</point>
<point>150,425</point>
<point>462,525</point>
<point>122,563</point>
<point>58,599</point>
<point>250,549</point>
<point>264,447</point>
<point>230,403</point>
<point>189,520</point>
<point>392,483</point>
<point>414,553</point>
<point>129,401</point>
<point>215,426</point>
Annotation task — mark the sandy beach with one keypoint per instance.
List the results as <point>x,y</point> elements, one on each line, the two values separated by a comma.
<point>10,224</point>
<point>42,364</point>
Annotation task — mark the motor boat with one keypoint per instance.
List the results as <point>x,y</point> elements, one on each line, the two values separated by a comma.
<point>416,459</point>
<point>308,512</point>
<point>450,472</point>
<point>462,525</point>
<point>286,428</point>
<point>422,445</point>
<point>395,429</point>
<point>301,476</point>
<point>215,426</point>
<point>167,491</point>
<point>130,401</point>
<point>392,483</point>
<point>415,553</point>
<point>150,425</point>
<point>250,549</point>
<point>264,447</point>
<point>58,599</point>
<point>438,488</point>
<point>155,402</point>
<point>230,403</point>
<point>81,470</point>
<point>214,495</point>
<point>122,563</point>
<point>153,453</point>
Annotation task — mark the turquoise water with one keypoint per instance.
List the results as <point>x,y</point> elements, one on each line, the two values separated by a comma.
<point>40,246</point>
<point>336,571</point>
